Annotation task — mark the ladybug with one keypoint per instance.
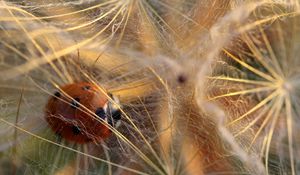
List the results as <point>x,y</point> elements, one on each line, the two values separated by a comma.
<point>81,112</point>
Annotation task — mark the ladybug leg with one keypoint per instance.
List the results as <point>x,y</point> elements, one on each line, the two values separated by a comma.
<point>58,138</point>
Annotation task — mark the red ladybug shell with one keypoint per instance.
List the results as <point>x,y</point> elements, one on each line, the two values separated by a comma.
<point>71,113</point>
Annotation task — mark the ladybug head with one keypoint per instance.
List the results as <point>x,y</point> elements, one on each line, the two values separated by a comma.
<point>112,111</point>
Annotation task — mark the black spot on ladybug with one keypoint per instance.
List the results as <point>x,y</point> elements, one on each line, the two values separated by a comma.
<point>57,94</point>
<point>110,122</point>
<point>86,88</point>
<point>100,113</point>
<point>76,130</point>
<point>181,78</point>
<point>75,103</point>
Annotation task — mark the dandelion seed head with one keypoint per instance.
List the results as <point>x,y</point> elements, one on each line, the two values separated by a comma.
<point>240,76</point>
<point>201,87</point>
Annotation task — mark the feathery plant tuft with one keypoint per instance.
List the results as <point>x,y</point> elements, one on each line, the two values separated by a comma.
<point>204,87</point>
